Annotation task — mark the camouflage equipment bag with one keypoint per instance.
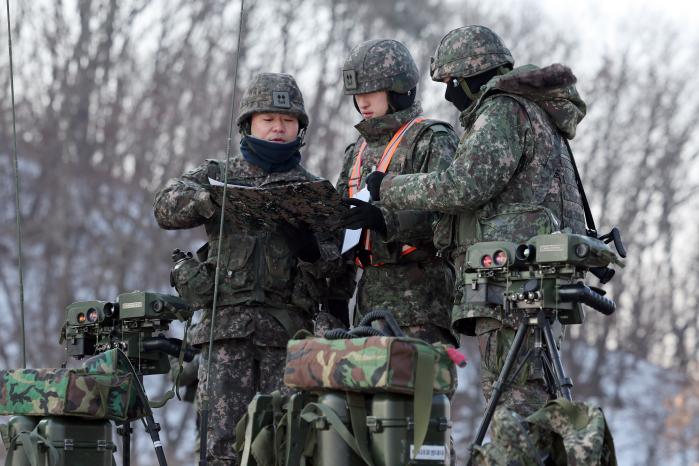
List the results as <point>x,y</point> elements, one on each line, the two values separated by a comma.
<point>360,369</point>
<point>368,365</point>
<point>561,433</point>
<point>103,388</point>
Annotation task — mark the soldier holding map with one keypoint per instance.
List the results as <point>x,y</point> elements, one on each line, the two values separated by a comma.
<point>263,296</point>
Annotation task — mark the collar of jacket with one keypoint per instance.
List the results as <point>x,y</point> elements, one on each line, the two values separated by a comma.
<point>377,129</point>
<point>552,88</point>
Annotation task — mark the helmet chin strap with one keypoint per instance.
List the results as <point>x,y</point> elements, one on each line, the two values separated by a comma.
<point>396,101</point>
<point>472,96</point>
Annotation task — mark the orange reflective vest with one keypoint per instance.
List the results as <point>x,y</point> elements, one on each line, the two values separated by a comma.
<point>385,161</point>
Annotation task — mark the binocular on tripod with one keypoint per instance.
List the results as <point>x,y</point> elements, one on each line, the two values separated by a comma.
<point>535,284</point>
<point>129,323</point>
<point>546,272</point>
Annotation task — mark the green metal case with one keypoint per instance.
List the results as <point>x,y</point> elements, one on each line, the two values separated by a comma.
<point>390,428</point>
<point>78,442</point>
<point>330,448</point>
<point>14,444</point>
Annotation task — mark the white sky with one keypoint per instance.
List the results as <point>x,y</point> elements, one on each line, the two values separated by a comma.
<point>601,19</point>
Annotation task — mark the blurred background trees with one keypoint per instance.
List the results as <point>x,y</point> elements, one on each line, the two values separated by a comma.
<point>115,97</point>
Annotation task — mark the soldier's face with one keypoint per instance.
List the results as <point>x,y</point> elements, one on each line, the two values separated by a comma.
<point>372,104</point>
<point>274,127</point>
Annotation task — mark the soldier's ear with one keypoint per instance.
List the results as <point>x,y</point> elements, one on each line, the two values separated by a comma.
<point>245,127</point>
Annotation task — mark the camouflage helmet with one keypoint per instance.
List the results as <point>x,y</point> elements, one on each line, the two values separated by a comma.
<point>379,65</point>
<point>467,51</point>
<point>273,93</point>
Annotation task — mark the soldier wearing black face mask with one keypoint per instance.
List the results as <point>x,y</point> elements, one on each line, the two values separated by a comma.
<point>462,92</point>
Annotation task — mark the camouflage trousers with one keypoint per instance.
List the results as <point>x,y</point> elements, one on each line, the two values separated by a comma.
<point>527,392</point>
<point>239,369</point>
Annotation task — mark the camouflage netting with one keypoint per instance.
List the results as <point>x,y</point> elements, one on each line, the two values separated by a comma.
<point>103,388</point>
<point>368,365</point>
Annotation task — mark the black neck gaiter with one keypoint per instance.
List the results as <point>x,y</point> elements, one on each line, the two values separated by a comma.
<point>271,156</point>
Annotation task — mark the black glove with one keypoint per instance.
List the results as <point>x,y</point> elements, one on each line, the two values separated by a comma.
<point>363,215</point>
<point>338,309</point>
<point>373,184</point>
<point>301,241</point>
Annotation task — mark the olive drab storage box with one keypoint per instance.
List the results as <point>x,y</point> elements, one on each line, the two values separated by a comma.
<point>58,441</point>
<point>390,425</point>
<point>330,447</point>
<point>76,441</point>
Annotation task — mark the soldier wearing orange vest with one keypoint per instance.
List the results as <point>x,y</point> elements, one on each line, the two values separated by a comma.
<point>401,271</point>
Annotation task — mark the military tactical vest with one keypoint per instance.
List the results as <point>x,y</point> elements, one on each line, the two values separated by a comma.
<point>401,162</point>
<point>256,267</point>
<point>541,197</point>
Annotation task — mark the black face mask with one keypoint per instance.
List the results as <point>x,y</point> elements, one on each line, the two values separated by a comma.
<point>271,156</point>
<point>456,95</point>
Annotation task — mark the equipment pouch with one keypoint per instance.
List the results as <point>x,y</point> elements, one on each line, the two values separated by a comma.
<point>193,281</point>
<point>516,222</point>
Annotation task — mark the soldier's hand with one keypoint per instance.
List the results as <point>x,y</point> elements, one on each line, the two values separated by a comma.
<point>373,184</point>
<point>363,215</point>
<point>301,241</point>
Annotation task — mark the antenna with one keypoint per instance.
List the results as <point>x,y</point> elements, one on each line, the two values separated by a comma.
<point>204,419</point>
<point>17,211</point>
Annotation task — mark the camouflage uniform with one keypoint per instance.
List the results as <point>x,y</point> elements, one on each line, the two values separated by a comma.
<point>416,287</point>
<point>512,178</point>
<point>263,296</point>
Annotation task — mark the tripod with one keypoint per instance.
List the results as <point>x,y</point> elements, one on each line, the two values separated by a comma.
<point>557,382</point>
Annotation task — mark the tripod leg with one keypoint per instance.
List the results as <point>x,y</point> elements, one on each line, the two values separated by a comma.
<point>125,431</point>
<point>565,383</point>
<point>499,385</point>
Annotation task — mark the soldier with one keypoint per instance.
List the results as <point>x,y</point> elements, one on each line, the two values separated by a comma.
<point>512,177</point>
<point>262,298</point>
<point>401,272</point>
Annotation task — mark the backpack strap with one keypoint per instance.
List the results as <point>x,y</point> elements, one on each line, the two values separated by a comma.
<point>256,421</point>
<point>30,449</point>
<point>356,404</point>
<point>315,411</point>
<point>422,399</point>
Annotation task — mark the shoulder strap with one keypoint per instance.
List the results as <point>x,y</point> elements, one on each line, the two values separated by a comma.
<point>392,146</point>
<point>314,411</point>
<point>591,228</point>
<point>412,135</point>
<point>355,177</point>
<point>422,399</point>
<point>589,220</point>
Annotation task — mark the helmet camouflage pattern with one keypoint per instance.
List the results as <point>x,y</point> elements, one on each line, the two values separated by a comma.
<point>468,51</point>
<point>379,65</point>
<point>273,93</point>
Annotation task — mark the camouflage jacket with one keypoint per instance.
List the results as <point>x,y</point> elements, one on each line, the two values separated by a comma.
<point>512,176</point>
<point>257,270</point>
<point>415,287</point>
